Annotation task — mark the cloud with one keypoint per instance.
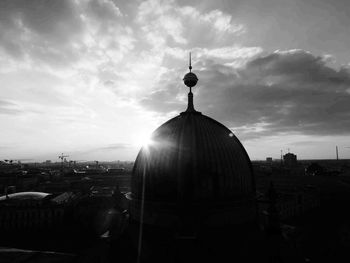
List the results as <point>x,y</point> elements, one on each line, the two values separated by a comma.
<point>61,34</point>
<point>228,53</point>
<point>7,107</point>
<point>220,21</point>
<point>115,146</point>
<point>158,19</point>
<point>53,54</point>
<point>81,65</point>
<point>37,29</point>
<point>165,22</point>
<point>284,92</point>
<point>97,42</point>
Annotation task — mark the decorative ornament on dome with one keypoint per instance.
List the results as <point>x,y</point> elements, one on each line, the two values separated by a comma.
<point>190,80</point>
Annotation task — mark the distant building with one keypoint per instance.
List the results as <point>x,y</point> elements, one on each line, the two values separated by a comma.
<point>290,160</point>
<point>269,159</point>
<point>116,171</point>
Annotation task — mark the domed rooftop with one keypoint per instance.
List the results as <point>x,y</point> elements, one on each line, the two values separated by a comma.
<point>24,196</point>
<point>193,163</point>
<point>192,157</point>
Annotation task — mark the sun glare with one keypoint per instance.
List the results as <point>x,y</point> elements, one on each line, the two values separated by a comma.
<point>142,140</point>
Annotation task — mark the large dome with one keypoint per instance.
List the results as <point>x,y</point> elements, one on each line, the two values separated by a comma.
<point>193,166</point>
<point>192,157</point>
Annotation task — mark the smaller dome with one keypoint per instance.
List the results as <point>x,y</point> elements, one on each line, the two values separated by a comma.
<point>190,79</point>
<point>25,196</point>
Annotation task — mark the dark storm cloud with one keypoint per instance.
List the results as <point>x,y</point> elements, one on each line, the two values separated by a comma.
<point>53,32</point>
<point>37,28</point>
<point>297,65</point>
<point>282,92</point>
<point>292,91</point>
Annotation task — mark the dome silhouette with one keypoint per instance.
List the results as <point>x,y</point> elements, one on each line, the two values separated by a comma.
<point>192,156</point>
<point>194,167</point>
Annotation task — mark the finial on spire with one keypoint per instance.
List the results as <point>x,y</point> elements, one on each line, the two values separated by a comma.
<point>190,80</point>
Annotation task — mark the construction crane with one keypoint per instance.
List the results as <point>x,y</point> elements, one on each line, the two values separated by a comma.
<point>62,157</point>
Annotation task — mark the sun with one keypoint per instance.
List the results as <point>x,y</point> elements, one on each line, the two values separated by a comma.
<point>142,140</point>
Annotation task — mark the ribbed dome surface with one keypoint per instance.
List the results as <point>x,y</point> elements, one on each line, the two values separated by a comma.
<point>192,158</point>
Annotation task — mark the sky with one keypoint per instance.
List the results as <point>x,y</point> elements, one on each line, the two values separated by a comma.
<point>93,78</point>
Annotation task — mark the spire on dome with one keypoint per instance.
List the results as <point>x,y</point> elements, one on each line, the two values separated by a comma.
<point>190,67</point>
<point>190,80</point>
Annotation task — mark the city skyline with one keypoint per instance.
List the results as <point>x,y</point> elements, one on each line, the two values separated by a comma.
<point>93,79</point>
